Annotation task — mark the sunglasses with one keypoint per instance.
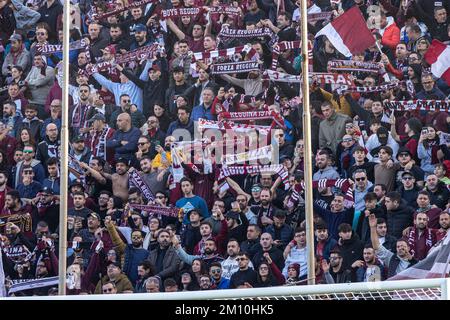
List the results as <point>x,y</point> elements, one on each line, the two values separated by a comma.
<point>407,178</point>
<point>216,270</point>
<point>126,101</point>
<point>142,143</point>
<point>27,151</point>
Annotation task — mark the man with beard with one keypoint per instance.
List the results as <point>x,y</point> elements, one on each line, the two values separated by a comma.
<point>369,270</point>
<point>265,210</point>
<point>237,223</point>
<point>79,112</point>
<point>93,224</point>
<point>119,179</point>
<point>439,193</point>
<point>144,149</point>
<point>194,92</point>
<point>336,215</point>
<point>242,200</point>
<point>8,144</point>
<point>444,223</point>
<point>134,253</point>
<point>118,38</point>
<point>178,83</point>
<point>114,274</point>
<point>124,140</point>
<point>103,200</point>
<point>18,55</point>
<point>420,237</point>
<point>206,233</point>
<point>11,118</point>
<point>140,37</point>
<point>283,28</point>
<point>399,214</point>
<point>333,271</point>
<point>216,274</point>
<point>48,209</point>
<point>210,253</point>
<point>326,171</point>
<point>98,136</point>
<point>395,263</point>
<point>145,270</point>
<point>183,122</point>
<point>164,257</point>
<point>251,243</point>
<point>18,214</point>
<point>424,206</point>
<point>157,179</point>
<point>16,96</point>
<point>31,122</point>
<point>79,211</point>
<point>230,265</point>
<point>79,151</point>
<point>49,147</point>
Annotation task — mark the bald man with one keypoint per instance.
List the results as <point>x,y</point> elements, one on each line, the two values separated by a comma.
<point>125,139</point>
<point>50,146</point>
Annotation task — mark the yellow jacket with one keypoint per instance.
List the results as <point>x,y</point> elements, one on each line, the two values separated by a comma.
<point>158,161</point>
<point>344,106</point>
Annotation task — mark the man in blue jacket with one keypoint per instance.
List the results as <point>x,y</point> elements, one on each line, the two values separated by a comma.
<point>124,141</point>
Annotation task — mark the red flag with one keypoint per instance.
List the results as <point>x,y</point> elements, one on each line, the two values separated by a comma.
<point>349,33</point>
<point>438,56</point>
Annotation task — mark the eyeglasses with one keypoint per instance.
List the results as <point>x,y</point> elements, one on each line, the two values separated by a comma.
<point>216,270</point>
<point>126,101</point>
<point>360,179</point>
<point>108,290</point>
<point>142,143</point>
<point>40,33</point>
<point>263,268</point>
<point>241,259</point>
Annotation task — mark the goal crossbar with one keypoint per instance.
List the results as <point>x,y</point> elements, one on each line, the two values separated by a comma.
<point>440,285</point>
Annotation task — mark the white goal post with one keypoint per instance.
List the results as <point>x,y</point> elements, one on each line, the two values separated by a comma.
<point>422,289</point>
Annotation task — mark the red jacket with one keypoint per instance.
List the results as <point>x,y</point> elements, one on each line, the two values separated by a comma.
<point>391,35</point>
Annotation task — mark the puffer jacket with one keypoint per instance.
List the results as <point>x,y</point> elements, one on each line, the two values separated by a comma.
<point>390,34</point>
<point>398,219</point>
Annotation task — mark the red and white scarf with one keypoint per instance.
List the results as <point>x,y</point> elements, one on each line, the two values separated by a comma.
<point>134,4</point>
<point>98,142</point>
<point>342,184</point>
<point>226,33</point>
<point>48,49</point>
<point>234,67</point>
<point>156,209</point>
<point>281,46</point>
<point>247,49</point>
<point>383,87</point>
<point>314,17</point>
<point>228,10</point>
<point>204,124</point>
<point>281,76</point>
<point>278,169</point>
<point>332,78</point>
<point>180,12</point>
<point>136,179</point>
<point>412,239</point>
<point>253,115</point>
<point>137,54</point>
<point>423,105</point>
<point>252,155</point>
<point>350,65</point>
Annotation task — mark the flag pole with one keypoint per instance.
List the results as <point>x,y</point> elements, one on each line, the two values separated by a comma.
<point>307,145</point>
<point>64,152</point>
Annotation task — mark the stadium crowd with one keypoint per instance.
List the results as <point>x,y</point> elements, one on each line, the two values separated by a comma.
<point>155,206</point>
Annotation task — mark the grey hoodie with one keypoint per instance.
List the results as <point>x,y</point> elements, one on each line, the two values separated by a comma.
<point>26,18</point>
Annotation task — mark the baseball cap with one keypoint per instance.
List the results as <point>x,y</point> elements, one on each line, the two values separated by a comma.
<point>256,187</point>
<point>232,215</point>
<point>382,134</point>
<point>15,37</point>
<point>403,150</point>
<point>407,174</point>
<point>46,190</point>
<point>78,139</point>
<point>97,116</point>
<point>139,28</point>
<point>94,215</point>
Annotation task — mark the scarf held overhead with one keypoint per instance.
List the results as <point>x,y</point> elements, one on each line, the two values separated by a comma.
<point>350,65</point>
<point>423,105</point>
<point>253,115</point>
<point>136,179</point>
<point>278,169</point>
<point>234,67</point>
<point>155,209</point>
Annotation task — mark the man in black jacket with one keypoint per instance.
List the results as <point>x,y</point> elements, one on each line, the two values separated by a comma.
<point>244,276</point>
<point>164,258</point>
<point>350,246</point>
<point>49,14</point>
<point>276,255</point>
<point>399,214</point>
<point>333,271</point>
<point>49,148</point>
<point>439,193</point>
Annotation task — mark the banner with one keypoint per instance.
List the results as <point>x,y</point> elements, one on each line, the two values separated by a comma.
<point>281,76</point>
<point>332,78</point>
<point>156,209</point>
<point>180,12</point>
<point>252,155</point>
<point>136,179</point>
<point>28,284</point>
<point>350,65</point>
<point>137,54</point>
<point>423,105</point>
<point>234,67</point>
<point>48,49</point>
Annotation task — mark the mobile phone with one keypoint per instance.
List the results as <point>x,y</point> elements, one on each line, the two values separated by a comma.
<point>424,131</point>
